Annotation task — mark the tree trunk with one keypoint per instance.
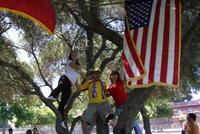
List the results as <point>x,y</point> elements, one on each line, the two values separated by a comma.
<point>4,128</point>
<point>59,128</point>
<point>102,127</point>
<point>89,50</point>
<point>137,98</point>
<point>146,121</point>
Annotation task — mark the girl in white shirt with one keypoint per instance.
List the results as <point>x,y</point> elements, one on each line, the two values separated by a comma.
<point>72,72</point>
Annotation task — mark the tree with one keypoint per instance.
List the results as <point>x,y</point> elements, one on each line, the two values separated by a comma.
<point>160,108</point>
<point>25,114</point>
<point>92,21</point>
<point>33,40</point>
<point>159,104</point>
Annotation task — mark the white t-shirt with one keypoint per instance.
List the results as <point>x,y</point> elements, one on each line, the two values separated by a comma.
<point>71,73</point>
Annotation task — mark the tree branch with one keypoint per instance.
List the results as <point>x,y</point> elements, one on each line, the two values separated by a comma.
<point>94,4</point>
<point>4,30</point>
<point>74,123</point>
<point>29,92</point>
<point>37,62</point>
<point>107,60</point>
<point>94,24</point>
<point>65,39</point>
<point>146,120</point>
<point>131,108</point>
<point>18,48</point>
<point>78,37</point>
<point>40,71</point>
<point>187,39</point>
<point>103,46</point>
<point>89,50</point>
<point>98,27</point>
<point>187,44</point>
<point>70,103</point>
<point>76,17</point>
<point>25,76</point>
<point>113,19</point>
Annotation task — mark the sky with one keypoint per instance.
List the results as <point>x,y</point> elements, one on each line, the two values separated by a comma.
<point>196,96</point>
<point>15,37</point>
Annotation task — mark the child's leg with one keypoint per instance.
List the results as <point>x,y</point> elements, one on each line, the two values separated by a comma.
<point>84,126</point>
<point>136,127</point>
<point>65,95</point>
<point>86,129</point>
<point>89,116</point>
<point>59,88</point>
<point>105,112</point>
<point>119,109</point>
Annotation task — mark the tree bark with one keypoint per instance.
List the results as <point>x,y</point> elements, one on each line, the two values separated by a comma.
<point>95,24</point>
<point>146,121</point>
<point>137,98</point>
<point>4,128</point>
<point>102,127</point>
<point>186,45</point>
<point>89,50</point>
<point>27,77</point>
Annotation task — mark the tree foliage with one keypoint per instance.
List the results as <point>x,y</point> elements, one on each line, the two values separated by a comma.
<point>159,109</point>
<point>23,114</point>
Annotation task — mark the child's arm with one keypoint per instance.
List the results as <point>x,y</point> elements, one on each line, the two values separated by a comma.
<point>78,87</point>
<point>74,65</point>
<point>84,86</point>
<point>107,93</point>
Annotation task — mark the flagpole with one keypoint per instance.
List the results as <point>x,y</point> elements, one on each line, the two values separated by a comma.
<point>92,4</point>
<point>106,4</point>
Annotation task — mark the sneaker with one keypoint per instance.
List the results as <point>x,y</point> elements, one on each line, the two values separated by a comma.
<point>63,124</point>
<point>110,117</point>
<point>51,98</point>
<point>113,122</point>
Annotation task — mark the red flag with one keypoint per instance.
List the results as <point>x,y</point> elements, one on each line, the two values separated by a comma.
<point>155,31</point>
<point>39,11</point>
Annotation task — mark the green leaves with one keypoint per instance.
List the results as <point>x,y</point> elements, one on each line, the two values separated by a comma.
<point>159,109</point>
<point>21,114</point>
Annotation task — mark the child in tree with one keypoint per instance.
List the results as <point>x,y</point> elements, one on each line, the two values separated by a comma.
<point>117,91</point>
<point>72,72</point>
<point>98,101</point>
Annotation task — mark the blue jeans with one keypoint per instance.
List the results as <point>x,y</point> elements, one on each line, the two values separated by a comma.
<point>136,126</point>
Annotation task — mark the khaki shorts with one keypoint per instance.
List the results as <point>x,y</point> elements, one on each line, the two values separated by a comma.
<point>102,109</point>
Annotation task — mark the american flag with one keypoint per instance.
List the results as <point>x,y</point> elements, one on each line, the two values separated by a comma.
<point>151,53</point>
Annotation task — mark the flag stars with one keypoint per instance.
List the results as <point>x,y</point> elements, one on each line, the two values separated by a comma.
<point>138,12</point>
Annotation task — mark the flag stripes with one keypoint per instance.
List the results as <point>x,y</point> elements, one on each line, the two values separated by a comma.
<point>131,53</point>
<point>158,45</point>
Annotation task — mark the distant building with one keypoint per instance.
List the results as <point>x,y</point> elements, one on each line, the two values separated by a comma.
<point>181,109</point>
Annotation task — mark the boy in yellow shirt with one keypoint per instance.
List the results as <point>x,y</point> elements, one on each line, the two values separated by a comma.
<point>98,101</point>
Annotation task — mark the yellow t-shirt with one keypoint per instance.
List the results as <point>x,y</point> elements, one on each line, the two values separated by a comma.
<point>95,90</point>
